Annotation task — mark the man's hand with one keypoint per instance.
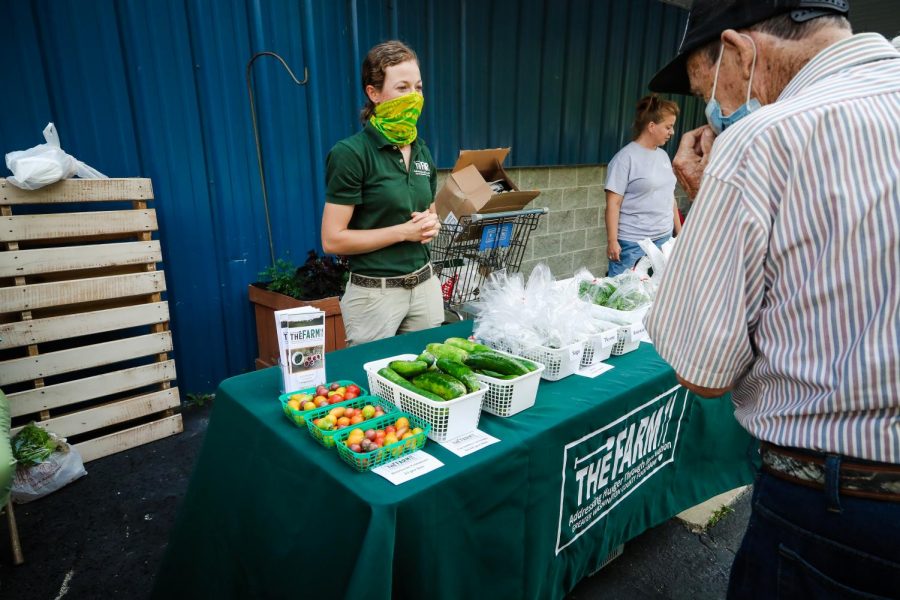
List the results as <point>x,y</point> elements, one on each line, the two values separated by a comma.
<point>692,157</point>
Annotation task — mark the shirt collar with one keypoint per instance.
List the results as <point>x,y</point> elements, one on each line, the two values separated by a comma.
<point>856,50</point>
<point>379,140</point>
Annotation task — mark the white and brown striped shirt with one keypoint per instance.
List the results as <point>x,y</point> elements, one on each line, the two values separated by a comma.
<point>785,281</point>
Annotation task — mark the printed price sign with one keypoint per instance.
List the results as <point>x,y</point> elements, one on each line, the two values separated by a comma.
<point>408,467</point>
<point>469,443</point>
<point>594,370</point>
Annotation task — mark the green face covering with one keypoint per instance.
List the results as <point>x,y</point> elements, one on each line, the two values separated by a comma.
<point>396,118</point>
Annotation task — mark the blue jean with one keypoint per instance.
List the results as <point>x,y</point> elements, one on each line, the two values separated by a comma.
<point>631,253</point>
<point>810,543</point>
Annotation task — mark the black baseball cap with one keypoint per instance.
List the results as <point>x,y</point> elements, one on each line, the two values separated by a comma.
<point>707,23</point>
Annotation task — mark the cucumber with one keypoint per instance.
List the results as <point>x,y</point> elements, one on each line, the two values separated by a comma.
<point>466,345</point>
<point>496,375</point>
<point>493,374</point>
<point>443,385</point>
<point>408,368</point>
<point>495,362</point>
<point>427,358</point>
<point>525,364</point>
<point>392,376</point>
<point>461,372</point>
<point>445,351</point>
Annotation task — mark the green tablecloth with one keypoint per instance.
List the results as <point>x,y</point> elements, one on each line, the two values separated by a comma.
<point>270,513</point>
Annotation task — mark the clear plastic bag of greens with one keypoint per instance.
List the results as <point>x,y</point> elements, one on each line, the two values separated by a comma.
<point>630,293</point>
<point>33,445</point>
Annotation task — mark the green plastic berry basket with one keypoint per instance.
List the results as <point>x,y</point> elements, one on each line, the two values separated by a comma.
<point>366,461</point>
<point>298,417</point>
<point>326,436</point>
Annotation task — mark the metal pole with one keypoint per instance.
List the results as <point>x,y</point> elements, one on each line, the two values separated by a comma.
<point>259,161</point>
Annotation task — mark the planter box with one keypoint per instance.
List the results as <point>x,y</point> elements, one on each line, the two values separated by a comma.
<point>265,303</point>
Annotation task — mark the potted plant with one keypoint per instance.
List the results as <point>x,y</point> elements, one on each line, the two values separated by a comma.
<point>318,282</point>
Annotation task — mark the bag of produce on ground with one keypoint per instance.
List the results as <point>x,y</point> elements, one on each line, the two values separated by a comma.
<point>46,463</point>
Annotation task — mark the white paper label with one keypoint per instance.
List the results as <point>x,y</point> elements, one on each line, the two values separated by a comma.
<point>575,352</point>
<point>638,331</point>
<point>469,443</point>
<point>408,467</point>
<point>594,370</point>
<point>451,219</point>
<point>609,338</point>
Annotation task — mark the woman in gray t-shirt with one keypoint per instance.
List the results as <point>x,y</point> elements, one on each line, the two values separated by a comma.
<point>640,187</point>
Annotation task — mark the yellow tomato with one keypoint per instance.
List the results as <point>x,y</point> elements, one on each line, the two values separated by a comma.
<point>401,423</point>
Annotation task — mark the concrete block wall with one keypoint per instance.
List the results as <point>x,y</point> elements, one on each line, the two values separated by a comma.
<point>573,234</point>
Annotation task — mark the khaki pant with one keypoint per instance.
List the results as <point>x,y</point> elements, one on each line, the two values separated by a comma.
<point>377,313</point>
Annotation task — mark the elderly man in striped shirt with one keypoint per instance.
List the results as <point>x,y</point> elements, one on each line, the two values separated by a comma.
<point>785,284</point>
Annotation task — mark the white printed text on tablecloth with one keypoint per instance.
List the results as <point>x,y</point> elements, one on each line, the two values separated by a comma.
<point>604,467</point>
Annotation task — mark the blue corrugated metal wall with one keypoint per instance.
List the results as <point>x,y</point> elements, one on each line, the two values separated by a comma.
<point>156,89</point>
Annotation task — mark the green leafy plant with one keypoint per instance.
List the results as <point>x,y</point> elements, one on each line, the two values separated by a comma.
<point>717,516</point>
<point>32,445</point>
<point>319,277</point>
<point>198,400</point>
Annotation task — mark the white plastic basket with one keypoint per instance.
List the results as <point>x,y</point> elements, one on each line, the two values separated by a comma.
<point>506,397</point>
<point>558,362</point>
<point>449,419</point>
<point>629,338</point>
<point>598,347</point>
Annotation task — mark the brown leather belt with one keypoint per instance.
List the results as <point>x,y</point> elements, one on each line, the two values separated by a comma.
<point>862,479</point>
<point>403,281</point>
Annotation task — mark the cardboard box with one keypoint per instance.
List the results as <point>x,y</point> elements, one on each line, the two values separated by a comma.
<point>466,190</point>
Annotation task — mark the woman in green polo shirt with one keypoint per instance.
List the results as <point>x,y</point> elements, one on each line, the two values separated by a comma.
<point>379,205</point>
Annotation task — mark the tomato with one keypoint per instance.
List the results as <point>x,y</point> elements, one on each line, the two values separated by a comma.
<point>402,423</point>
<point>354,388</point>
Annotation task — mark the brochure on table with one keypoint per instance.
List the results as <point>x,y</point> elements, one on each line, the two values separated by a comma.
<point>301,347</point>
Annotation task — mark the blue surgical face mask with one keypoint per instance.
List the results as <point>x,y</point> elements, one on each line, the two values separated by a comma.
<point>714,116</point>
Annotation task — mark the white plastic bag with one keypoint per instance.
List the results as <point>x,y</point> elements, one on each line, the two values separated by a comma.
<point>45,164</point>
<point>62,468</point>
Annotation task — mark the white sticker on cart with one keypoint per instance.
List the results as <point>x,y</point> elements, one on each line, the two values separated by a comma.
<point>469,443</point>
<point>451,219</point>
<point>594,370</point>
<point>408,467</point>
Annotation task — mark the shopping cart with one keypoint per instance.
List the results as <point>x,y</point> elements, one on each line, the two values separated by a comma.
<point>466,253</point>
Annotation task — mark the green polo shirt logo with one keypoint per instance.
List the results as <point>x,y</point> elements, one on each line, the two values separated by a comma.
<point>369,173</point>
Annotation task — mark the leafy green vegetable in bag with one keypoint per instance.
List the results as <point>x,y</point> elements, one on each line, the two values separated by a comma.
<point>597,291</point>
<point>32,445</point>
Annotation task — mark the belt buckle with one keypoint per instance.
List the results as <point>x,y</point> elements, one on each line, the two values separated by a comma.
<point>410,281</point>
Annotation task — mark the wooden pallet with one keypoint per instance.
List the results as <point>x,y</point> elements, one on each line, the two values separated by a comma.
<point>84,332</point>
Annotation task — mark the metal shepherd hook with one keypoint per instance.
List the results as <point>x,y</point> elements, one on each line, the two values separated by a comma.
<point>259,161</point>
